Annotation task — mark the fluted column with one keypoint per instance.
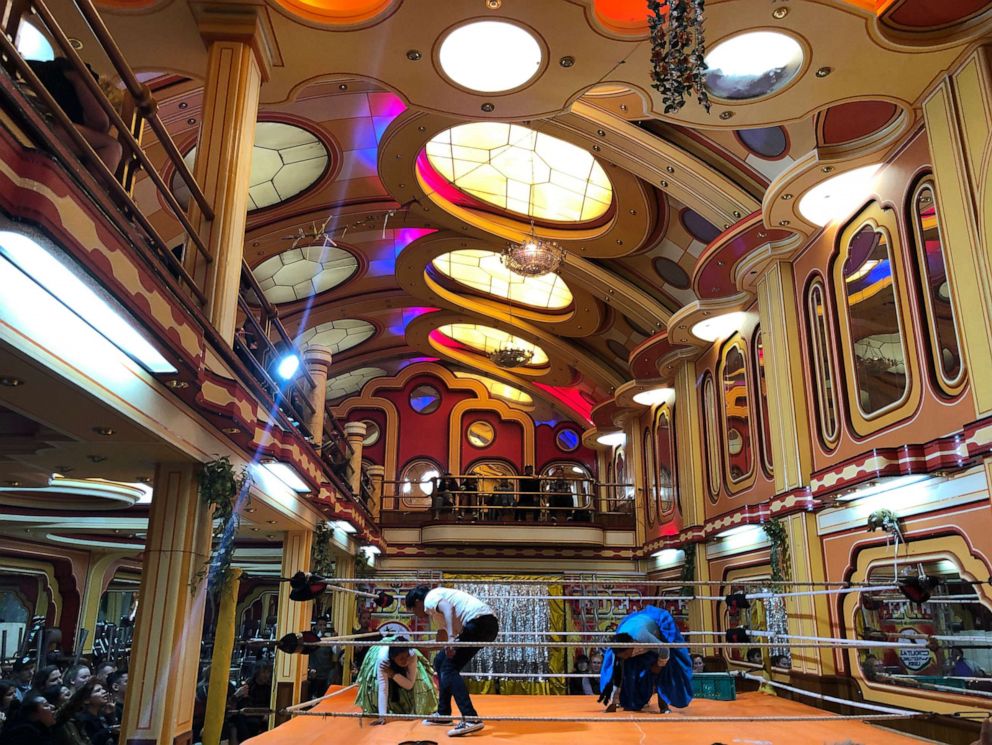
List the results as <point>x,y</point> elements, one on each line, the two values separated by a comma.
<point>791,446</point>
<point>376,474</point>
<point>96,582</point>
<point>165,651</point>
<point>344,611</point>
<point>318,361</point>
<point>689,453</point>
<point>237,63</point>
<point>355,432</point>
<point>808,615</point>
<point>291,669</point>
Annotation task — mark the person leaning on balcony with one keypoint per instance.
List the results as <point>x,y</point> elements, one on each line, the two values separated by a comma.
<point>529,496</point>
<point>67,86</point>
<point>443,498</point>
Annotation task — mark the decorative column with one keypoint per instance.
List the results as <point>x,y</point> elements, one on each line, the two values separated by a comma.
<point>220,663</point>
<point>96,583</point>
<point>317,358</point>
<point>291,669</point>
<point>788,418</point>
<point>239,44</point>
<point>689,453</point>
<point>809,615</point>
<point>165,651</point>
<point>957,130</point>
<point>344,611</point>
<point>701,615</point>
<point>634,454</point>
<point>355,431</point>
<point>377,474</point>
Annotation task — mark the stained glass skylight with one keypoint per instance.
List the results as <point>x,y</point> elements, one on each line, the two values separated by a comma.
<point>499,389</point>
<point>486,340</point>
<point>523,171</point>
<point>351,382</point>
<point>301,272</point>
<point>338,335</point>
<point>484,271</point>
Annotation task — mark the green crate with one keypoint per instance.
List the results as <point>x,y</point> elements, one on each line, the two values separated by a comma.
<point>716,686</point>
<point>940,680</point>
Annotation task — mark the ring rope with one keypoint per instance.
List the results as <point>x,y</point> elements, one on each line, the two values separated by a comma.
<point>656,719</point>
<point>303,705</point>
<point>573,580</point>
<point>824,697</point>
<point>858,644</point>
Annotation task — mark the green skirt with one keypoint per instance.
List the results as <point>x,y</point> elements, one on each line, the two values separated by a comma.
<point>421,700</point>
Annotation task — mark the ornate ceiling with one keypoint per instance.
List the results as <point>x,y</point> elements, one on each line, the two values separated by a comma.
<point>385,186</point>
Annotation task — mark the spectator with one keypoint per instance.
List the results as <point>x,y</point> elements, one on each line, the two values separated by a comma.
<point>754,656</point>
<point>368,634</point>
<point>46,676</point>
<point>255,693</point>
<point>92,719</point>
<point>325,660</point>
<point>8,700</point>
<point>68,731</point>
<point>503,499</point>
<point>77,676</point>
<point>596,664</point>
<point>57,695</point>
<point>23,672</point>
<point>443,498</point>
<point>32,725</point>
<point>560,497</point>
<point>583,686</point>
<point>469,499</point>
<point>959,667</point>
<point>698,663</point>
<point>529,496</point>
<point>101,671</point>
<point>117,683</point>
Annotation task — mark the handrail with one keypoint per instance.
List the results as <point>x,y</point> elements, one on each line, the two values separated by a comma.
<point>123,130</point>
<point>141,95</point>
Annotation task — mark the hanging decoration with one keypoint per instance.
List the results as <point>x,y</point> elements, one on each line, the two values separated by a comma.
<point>533,256</point>
<point>885,520</point>
<point>688,573</point>
<point>779,554</point>
<point>321,557</point>
<point>219,486</point>
<point>678,49</point>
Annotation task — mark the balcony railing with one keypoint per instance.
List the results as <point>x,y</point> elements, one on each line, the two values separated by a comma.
<point>261,338</point>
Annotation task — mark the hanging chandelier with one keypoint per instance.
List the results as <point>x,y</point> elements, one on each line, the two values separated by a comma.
<point>677,51</point>
<point>510,355</point>
<point>533,257</point>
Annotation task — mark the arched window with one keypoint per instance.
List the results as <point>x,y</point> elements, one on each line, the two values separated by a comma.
<point>945,348</point>
<point>579,478</point>
<point>417,483</point>
<point>822,361</point>
<point>876,333</point>
<point>648,473</point>
<point>664,435</point>
<point>764,420</point>
<point>736,414</point>
<point>712,437</point>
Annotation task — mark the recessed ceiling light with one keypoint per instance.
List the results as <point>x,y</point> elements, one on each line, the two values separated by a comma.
<point>612,439</point>
<point>718,327</point>
<point>490,56</point>
<point>9,381</point>
<point>104,431</point>
<point>654,396</point>
<point>838,196</point>
<point>752,64</point>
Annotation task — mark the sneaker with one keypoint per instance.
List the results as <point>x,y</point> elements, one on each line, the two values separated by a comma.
<point>464,728</point>
<point>438,719</point>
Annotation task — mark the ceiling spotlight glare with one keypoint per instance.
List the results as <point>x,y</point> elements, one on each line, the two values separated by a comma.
<point>288,366</point>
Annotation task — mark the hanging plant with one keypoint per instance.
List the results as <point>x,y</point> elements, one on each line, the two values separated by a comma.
<point>321,558</point>
<point>678,49</point>
<point>688,573</point>
<point>779,558</point>
<point>219,487</point>
<point>886,520</point>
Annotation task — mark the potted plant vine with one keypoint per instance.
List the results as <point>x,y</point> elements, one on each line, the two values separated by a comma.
<point>779,553</point>
<point>219,488</point>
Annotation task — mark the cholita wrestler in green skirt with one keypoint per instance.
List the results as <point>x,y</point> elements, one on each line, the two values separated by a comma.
<point>396,679</point>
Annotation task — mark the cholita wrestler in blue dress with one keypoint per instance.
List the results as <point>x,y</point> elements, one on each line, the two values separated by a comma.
<point>632,675</point>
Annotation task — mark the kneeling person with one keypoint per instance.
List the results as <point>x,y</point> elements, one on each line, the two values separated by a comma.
<point>631,675</point>
<point>395,679</point>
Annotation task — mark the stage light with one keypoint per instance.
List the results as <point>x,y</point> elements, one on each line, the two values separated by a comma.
<point>288,366</point>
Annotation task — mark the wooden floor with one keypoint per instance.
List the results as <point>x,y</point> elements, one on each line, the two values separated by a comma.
<point>323,730</point>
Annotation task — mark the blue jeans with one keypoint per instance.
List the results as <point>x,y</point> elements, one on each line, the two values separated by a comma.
<point>449,669</point>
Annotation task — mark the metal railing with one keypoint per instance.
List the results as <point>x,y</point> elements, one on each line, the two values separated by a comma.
<point>261,338</point>
<point>475,498</point>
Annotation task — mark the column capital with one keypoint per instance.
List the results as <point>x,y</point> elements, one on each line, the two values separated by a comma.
<point>317,355</point>
<point>376,471</point>
<point>239,21</point>
<point>355,430</point>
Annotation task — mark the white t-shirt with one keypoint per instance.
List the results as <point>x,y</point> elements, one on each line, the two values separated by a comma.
<point>405,679</point>
<point>464,608</point>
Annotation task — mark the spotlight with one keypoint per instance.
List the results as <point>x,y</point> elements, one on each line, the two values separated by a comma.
<point>288,365</point>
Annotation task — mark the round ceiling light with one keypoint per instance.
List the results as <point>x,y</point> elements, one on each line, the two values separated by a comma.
<point>612,439</point>
<point>752,65</point>
<point>490,56</point>
<point>654,396</point>
<point>487,340</point>
<point>838,196</point>
<point>483,271</point>
<point>718,327</point>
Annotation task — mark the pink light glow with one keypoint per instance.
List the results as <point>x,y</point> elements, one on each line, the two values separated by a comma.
<point>571,398</point>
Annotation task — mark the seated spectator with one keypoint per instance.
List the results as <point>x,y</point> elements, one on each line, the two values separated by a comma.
<point>66,85</point>
<point>959,667</point>
<point>754,656</point>
<point>32,725</point>
<point>583,686</point>
<point>255,693</point>
<point>698,663</point>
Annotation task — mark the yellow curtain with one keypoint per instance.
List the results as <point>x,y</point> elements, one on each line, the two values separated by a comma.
<point>556,656</point>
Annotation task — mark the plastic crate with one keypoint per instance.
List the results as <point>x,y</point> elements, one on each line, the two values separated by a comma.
<point>941,681</point>
<point>716,686</point>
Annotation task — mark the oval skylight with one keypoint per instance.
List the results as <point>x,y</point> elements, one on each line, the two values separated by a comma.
<point>490,56</point>
<point>752,65</point>
<point>484,271</point>
<point>498,389</point>
<point>302,272</point>
<point>521,170</point>
<point>338,335</point>
<point>485,339</point>
<point>351,382</point>
<point>285,161</point>
<point>838,196</point>
<point>32,44</point>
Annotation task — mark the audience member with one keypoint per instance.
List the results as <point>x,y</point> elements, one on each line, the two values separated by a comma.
<point>77,676</point>
<point>255,693</point>
<point>46,676</point>
<point>583,686</point>
<point>8,701</point>
<point>32,725</point>
<point>117,683</point>
<point>698,663</point>
<point>22,672</point>
<point>101,671</point>
<point>529,496</point>
<point>92,718</point>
